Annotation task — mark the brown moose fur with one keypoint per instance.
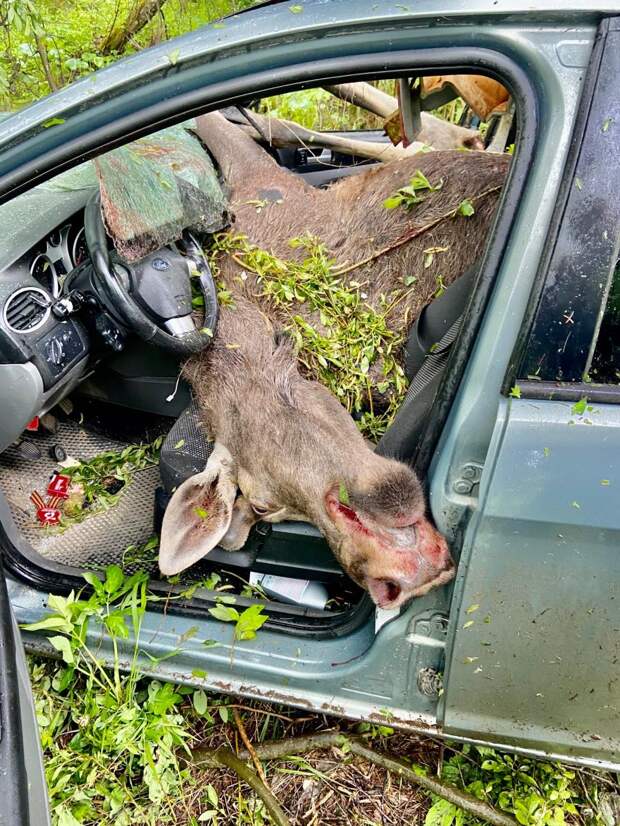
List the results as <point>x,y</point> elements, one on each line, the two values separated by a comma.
<point>350,219</point>
<point>292,445</point>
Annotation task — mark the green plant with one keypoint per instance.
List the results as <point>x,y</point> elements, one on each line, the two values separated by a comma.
<point>110,738</point>
<point>537,793</point>
<point>407,196</point>
<point>320,110</point>
<point>247,622</point>
<point>97,483</point>
<point>350,337</point>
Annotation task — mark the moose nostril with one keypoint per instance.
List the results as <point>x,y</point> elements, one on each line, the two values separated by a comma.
<point>392,590</point>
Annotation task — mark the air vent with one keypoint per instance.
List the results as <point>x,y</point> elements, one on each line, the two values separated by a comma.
<point>27,309</point>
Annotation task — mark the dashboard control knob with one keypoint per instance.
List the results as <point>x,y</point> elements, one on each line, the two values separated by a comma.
<point>54,351</point>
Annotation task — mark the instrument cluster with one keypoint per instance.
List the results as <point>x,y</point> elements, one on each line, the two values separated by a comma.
<point>58,254</point>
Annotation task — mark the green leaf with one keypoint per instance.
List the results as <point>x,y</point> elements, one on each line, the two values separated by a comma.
<point>93,580</point>
<point>343,494</point>
<point>223,712</point>
<point>392,202</point>
<point>579,408</point>
<point>53,122</point>
<point>212,795</point>
<point>515,392</point>
<point>191,632</point>
<point>224,613</point>
<point>199,673</point>
<point>200,702</point>
<point>50,623</point>
<point>64,817</point>
<point>63,645</point>
<point>115,623</point>
<point>249,622</point>
<point>114,578</point>
<point>466,208</point>
<point>420,181</point>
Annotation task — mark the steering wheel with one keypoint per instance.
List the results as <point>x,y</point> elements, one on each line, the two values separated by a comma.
<point>153,296</point>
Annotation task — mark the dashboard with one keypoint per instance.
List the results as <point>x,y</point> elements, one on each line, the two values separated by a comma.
<point>42,355</point>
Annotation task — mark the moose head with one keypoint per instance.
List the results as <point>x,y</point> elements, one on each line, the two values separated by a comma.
<point>285,448</point>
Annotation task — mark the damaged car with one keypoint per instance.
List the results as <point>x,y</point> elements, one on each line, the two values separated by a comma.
<point>433,545</point>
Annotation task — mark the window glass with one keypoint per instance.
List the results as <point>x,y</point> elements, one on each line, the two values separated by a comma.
<point>606,360</point>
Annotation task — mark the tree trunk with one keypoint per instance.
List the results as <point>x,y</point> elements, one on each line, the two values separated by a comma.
<point>285,133</point>
<point>366,97</point>
<point>45,62</point>
<point>141,14</point>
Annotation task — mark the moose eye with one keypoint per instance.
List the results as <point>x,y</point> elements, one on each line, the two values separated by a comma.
<point>260,510</point>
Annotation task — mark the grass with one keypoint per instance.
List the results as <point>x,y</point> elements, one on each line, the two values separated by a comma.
<point>117,745</point>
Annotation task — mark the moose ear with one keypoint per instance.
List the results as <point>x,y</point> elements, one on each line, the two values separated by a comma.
<point>198,515</point>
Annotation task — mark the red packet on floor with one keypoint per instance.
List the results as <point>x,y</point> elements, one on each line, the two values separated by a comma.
<point>59,486</point>
<point>48,516</point>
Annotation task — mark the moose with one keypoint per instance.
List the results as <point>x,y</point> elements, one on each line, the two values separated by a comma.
<point>285,448</point>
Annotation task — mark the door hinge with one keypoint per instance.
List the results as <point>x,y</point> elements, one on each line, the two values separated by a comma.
<point>467,482</point>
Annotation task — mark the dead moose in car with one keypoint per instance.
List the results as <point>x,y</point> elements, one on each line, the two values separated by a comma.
<point>285,446</point>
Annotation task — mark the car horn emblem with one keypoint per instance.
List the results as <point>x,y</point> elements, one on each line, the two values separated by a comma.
<point>160,264</point>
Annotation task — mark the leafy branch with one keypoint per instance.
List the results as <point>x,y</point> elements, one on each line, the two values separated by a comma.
<point>350,335</point>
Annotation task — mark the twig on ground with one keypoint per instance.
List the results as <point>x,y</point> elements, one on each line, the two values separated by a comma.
<point>224,758</point>
<point>246,741</point>
<point>299,745</point>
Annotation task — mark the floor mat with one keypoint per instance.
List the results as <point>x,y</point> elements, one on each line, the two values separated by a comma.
<point>100,539</point>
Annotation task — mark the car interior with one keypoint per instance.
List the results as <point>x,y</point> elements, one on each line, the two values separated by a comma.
<point>81,383</point>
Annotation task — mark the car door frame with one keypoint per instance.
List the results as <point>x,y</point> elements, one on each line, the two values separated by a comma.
<point>22,779</point>
<point>564,303</point>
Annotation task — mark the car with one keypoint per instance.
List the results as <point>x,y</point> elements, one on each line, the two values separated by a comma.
<point>519,450</point>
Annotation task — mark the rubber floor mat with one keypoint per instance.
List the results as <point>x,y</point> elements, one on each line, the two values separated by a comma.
<point>100,539</point>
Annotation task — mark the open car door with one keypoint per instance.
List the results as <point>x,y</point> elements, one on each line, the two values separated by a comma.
<point>534,652</point>
<point>23,795</point>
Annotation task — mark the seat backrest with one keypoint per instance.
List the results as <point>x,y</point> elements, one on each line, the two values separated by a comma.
<point>426,356</point>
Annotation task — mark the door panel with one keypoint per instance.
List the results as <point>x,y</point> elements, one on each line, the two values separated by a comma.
<point>535,646</point>
<point>536,657</point>
<point>23,796</point>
